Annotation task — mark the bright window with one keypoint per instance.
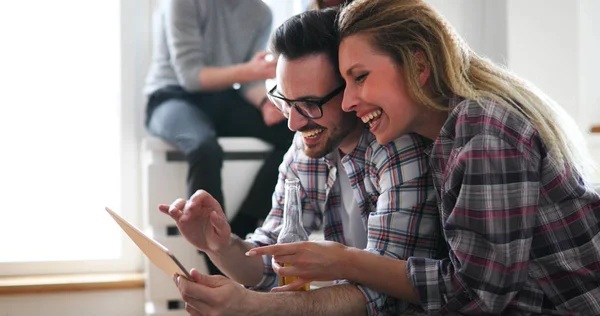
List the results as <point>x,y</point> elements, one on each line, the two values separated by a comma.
<point>62,137</point>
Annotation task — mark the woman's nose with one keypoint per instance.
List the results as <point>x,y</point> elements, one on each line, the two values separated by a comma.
<point>349,100</point>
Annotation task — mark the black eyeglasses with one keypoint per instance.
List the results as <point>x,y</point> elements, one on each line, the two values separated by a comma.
<point>311,109</point>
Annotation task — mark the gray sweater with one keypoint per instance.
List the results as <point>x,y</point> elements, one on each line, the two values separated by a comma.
<point>192,34</point>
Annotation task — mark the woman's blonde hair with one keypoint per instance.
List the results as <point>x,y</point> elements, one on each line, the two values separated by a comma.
<point>401,28</point>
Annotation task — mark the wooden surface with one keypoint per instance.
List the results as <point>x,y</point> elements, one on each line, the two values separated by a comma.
<point>70,283</point>
<point>595,129</point>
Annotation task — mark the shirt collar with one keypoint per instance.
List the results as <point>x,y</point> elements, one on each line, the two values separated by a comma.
<point>448,129</point>
<point>363,142</point>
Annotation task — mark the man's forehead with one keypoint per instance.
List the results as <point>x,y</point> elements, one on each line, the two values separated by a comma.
<point>312,75</point>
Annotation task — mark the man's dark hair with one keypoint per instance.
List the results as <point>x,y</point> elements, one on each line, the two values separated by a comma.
<point>308,33</point>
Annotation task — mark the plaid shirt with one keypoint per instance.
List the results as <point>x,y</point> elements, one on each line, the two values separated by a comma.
<point>524,235</point>
<point>394,192</point>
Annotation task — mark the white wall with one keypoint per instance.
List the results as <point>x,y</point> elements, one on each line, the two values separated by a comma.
<point>543,47</point>
<point>108,303</point>
<point>481,23</point>
<point>589,65</point>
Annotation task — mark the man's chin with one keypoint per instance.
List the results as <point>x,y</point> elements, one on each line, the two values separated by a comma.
<point>315,151</point>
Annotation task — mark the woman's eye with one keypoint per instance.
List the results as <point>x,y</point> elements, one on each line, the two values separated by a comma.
<point>359,79</point>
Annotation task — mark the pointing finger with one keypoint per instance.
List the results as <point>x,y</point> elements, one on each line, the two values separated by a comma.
<point>279,250</point>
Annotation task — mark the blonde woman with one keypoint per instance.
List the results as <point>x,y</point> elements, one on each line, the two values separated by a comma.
<point>511,173</point>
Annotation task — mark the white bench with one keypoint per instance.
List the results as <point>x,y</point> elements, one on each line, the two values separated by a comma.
<point>164,172</point>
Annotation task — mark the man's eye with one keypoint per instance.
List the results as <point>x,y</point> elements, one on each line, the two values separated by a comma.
<point>306,104</point>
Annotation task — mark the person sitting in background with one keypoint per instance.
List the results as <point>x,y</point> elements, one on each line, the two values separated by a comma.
<point>202,48</point>
<point>322,4</point>
<point>367,196</point>
<point>519,215</point>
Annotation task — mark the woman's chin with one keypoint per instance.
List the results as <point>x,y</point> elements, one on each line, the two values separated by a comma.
<point>383,139</point>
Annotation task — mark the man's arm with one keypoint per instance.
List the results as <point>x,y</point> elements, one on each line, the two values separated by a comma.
<point>232,259</point>
<point>343,299</point>
<point>203,223</point>
<point>236,265</point>
<point>255,91</point>
<point>188,50</point>
<point>220,78</point>
<point>217,295</point>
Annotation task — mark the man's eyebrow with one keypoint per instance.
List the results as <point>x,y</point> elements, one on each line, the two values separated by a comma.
<point>302,98</point>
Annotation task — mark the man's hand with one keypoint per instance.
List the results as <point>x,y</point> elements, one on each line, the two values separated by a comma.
<point>213,295</point>
<point>200,220</point>
<point>271,115</point>
<point>260,68</point>
<point>311,261</point>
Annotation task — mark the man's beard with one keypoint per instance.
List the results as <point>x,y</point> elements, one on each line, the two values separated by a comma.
<point>332,143</point>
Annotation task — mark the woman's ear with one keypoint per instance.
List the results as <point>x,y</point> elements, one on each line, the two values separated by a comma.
<point>422,67</point>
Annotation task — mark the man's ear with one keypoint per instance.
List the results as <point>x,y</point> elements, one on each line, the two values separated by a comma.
<point>422,67</point>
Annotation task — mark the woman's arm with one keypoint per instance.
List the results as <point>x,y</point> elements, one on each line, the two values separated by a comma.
<point>489,201</point>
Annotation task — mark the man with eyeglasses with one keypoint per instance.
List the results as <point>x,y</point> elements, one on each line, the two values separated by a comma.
<point>366,196</point>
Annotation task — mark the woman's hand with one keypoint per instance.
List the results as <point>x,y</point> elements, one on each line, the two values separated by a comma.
<point>310,261</point>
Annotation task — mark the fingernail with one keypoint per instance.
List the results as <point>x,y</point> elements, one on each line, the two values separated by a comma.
<point>250,253</point>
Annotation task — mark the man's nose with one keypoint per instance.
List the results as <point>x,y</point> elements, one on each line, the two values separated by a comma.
<point>296,120</point>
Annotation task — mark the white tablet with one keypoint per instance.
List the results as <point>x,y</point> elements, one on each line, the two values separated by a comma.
<point>158,254</point>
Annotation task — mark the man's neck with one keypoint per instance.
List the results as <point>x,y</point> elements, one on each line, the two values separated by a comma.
<point>351,141</point>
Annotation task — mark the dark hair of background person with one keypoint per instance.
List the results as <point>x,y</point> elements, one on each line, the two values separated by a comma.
<point>308,33</point>
<point>321,4</point>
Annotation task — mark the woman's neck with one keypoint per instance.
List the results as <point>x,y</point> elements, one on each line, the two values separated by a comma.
<point>430,123</point>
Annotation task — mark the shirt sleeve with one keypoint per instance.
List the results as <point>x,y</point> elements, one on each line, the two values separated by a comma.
<point>259,44</point>
<point>490,192</point>
<point>406,221</point>
<point>185,42</point>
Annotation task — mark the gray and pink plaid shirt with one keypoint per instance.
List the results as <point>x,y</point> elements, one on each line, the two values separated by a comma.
<point>524,234</point>
<point>394,192</point>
